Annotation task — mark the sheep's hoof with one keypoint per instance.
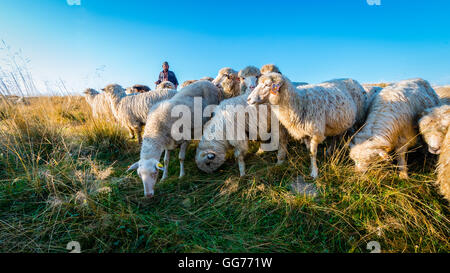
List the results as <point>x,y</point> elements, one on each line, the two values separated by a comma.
<point>280,162</point>
<point>314,174</point>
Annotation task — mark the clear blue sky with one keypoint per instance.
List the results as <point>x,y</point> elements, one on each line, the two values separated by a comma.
<point>310,40</point>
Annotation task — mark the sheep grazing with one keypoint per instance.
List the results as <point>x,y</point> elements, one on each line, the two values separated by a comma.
<point>434,127</point>
<point>212,148</point>
<point>228,81</point>
<point>444,94</point>
<point>166,85</point>
<point>249,78</point>
<point>99,103</point>
<point>132,110</point>
<point>390,124</point>
<point>443,168</point>
<point>158,136</point>
<point>310,113</point>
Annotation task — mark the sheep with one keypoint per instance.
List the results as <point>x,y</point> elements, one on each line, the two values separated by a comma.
<point>132,110</point>
<point>99,103</point>
<point>165,85</point>
<point>207,79</point>
<point>249,78</point>
<point>268,68</point>
<point>158,135</point>
<point>310,113</point>
<point>390,124</point>
<point>443,93</point>
<point>434,126</point>
<point>212,148</point>
<point>228,81</point>
<point>187,83</point>
<point>137,88</point>
<point>443,169</point>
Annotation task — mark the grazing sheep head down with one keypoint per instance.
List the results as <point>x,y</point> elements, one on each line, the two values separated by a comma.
<point>434,126</point>
<point>148,171</point>
<point>364,155</point>
<point>268,89</point>
<point>249,77</point>
<point>228,80</point>
<point>268,68</point>
<point>209,157</point>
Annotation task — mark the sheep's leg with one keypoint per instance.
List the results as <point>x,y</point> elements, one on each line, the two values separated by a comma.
<point>239,155</point>
<point>315,141</point>
<point>182,156</point>
<point>307,142</point>
<point>166,165</point>
<point>138,132</point>
<point>402,163</point>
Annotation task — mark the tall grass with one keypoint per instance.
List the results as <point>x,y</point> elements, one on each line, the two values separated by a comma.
<point>63,178</point>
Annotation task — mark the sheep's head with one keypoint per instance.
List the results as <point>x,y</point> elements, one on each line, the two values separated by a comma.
<point>148,171</point>
<point>90,92</point>
<point>165,85</point>
<point>228,81</point>
<point>209,157</point>
<point>114,90</point>
<point>249,78</point>
<point>268,90</point>
<point>269,68</point>
<point>433,127</point>
<point>367,153</point>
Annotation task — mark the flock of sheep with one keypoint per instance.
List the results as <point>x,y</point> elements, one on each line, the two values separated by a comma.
<point>382,121</point>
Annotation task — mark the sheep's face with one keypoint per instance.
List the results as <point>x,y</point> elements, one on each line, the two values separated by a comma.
<point>209,160</point>
<point>268,90</point>
<point>227,80</point>
<point>364,156</point>
<point>433,131</point>
<point>148,171</point>
<point>250,82</point>
<point>90,92</point>
<point>114,90</point>
<point>166,85</point>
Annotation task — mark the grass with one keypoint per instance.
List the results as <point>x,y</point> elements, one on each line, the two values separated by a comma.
<point>63,178</point>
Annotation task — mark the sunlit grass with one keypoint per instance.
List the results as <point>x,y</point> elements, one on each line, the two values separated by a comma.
<point>63,178</point>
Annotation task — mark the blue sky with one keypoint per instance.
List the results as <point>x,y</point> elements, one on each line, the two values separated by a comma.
<point>125,42</point>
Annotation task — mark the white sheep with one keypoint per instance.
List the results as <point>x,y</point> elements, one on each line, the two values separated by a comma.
<point>165,85</point>
<point>390,124</point>
<point>132,110</point>
<point>137,88</point>
<point>212,148</point>
<point>310,113</point>
<point>228,81</point>
<point>99,103</point>
<point>158,136</point>
<point>434,127</point>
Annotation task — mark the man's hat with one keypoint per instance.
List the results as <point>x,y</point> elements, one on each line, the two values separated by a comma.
<point>165,63</point>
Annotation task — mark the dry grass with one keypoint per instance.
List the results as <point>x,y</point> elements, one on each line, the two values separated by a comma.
<point>63,178</point>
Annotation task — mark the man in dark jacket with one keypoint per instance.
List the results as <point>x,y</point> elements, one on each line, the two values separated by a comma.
<point>167,75</point>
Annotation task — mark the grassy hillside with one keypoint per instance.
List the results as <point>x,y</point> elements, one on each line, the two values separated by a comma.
<point>63,178</point>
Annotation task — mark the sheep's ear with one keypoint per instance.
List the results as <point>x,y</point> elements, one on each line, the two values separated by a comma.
<point>135,166</point>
